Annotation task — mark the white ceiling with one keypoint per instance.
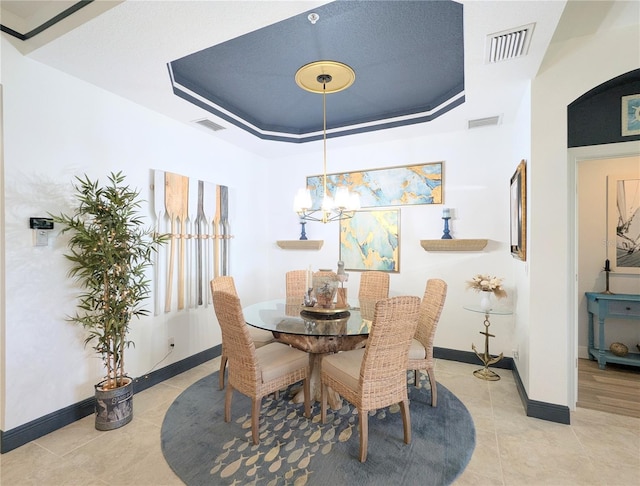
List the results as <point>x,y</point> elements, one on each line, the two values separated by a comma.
<point>124,48</point>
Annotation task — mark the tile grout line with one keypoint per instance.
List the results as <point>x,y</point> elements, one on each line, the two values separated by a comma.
<point>495,432</point>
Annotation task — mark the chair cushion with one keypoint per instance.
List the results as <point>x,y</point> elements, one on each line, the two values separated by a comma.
<point>277,359</point>
<point>416,350</point>
<point>260,337</point>
<point>344,367</point>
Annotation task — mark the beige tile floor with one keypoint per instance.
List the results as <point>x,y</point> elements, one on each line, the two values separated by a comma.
<point>596,449</point>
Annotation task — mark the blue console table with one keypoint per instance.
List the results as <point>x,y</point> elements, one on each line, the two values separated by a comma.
<point>620,306</point>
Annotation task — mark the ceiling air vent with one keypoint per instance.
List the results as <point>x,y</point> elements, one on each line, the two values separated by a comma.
<point>484,122</point>
<point>508,44</point>
<point>209,125</point>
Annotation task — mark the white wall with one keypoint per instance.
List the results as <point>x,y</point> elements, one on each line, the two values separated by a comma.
<point>56,127</point>
<point>2,274</point>
<point>575,67</point>
<point>521,144</point>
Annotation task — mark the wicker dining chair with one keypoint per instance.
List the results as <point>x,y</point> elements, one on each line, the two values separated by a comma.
<point>296,283</point>
<point>374,285</point>
<point>376,376</point>
<point>256,372</point>
<point>421,349</point>
<point>258,336</point>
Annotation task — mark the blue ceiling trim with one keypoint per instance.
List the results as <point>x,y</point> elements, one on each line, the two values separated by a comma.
<point>408,57</point>
<point>49,23</point>
<point>348,130</point>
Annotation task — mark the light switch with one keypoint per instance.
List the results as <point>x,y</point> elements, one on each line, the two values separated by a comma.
<point>42,237</point>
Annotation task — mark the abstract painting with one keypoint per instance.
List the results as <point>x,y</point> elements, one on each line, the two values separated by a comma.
<point>394,186</point>
<point>371,241</point>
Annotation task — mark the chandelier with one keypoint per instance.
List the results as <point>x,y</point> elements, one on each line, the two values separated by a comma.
<point>315,77</point>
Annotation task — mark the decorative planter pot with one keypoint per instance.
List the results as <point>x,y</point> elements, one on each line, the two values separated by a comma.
<point>324,289</point>
<point>114,407</point>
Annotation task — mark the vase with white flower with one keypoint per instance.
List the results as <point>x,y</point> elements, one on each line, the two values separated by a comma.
<point>488,286</point>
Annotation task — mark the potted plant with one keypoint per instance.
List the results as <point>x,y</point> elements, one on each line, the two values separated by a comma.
<point>110,251</point>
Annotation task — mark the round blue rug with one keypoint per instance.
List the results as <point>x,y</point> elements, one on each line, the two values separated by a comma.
<point>202,448</point>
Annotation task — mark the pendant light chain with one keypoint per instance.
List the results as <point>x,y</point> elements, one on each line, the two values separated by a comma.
<point>324,136</point>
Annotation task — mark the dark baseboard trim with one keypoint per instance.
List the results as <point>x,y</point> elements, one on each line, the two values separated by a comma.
<point>14,438</point>
<point>533,408</point>
<point>150,379</point>
<point>542,410</point>
<point>35,429</point>
<point>469,358</point>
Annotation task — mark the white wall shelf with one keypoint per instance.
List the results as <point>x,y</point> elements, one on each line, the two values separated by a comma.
<point>454,245</point>
<point>300,244</point>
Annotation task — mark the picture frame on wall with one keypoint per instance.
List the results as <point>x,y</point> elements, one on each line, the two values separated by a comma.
<point>519,212</point>
<point>371,241</point>
<point>385,187</point>
<point>630,115</point>
<point>623,223</point>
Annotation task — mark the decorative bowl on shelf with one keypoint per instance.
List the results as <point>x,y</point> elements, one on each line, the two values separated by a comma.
<point>619,349</point>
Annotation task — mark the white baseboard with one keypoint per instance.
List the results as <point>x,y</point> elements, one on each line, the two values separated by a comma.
<point>583,352</point>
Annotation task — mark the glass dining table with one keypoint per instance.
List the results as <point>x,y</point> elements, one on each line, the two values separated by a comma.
<point>314,330</point>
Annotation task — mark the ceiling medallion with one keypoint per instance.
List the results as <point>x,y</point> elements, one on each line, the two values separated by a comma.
<point>340,75</point>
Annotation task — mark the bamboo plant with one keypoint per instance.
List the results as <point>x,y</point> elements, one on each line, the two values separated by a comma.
<point>110,250</point>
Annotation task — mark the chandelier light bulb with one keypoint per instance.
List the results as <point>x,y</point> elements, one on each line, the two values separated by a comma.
<point>302,201</point>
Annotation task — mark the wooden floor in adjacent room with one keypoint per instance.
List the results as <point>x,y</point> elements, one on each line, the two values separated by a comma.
<point>615,389</point>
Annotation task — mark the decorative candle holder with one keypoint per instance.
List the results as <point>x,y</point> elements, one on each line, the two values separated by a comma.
<point>309,299</point>
<point>303,235</point>
<point>446,235</point>
<point>341,300</point>
<point>607,270</point>
<point>342,292</point>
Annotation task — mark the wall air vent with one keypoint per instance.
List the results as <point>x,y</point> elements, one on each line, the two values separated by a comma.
<point>209,125</point>
<point>484,122</point>
<point>508,44</point>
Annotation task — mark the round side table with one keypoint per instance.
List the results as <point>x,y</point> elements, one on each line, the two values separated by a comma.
<point>485,373</point>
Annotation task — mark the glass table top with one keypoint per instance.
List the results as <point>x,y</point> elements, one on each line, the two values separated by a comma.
<point>292,318</point>
<point>498,311</point>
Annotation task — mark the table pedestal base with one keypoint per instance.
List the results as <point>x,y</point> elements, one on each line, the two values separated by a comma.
<point>317,347</point>
<point>315,385</point>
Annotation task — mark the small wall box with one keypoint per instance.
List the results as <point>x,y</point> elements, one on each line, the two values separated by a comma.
<point>41,223</point>
<point>41,227</point>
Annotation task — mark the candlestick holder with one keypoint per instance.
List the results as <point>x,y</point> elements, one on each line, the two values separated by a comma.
<point>446,235</point>
<point>309,299</point>
<point>303,235</point>
<point>607,270</point>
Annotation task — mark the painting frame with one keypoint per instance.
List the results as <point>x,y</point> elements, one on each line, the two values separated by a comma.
<point>518,217</point>
<point>404,185</point>
<point>630,111</point>
<point>375,229</point>
<point>617,255</point>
